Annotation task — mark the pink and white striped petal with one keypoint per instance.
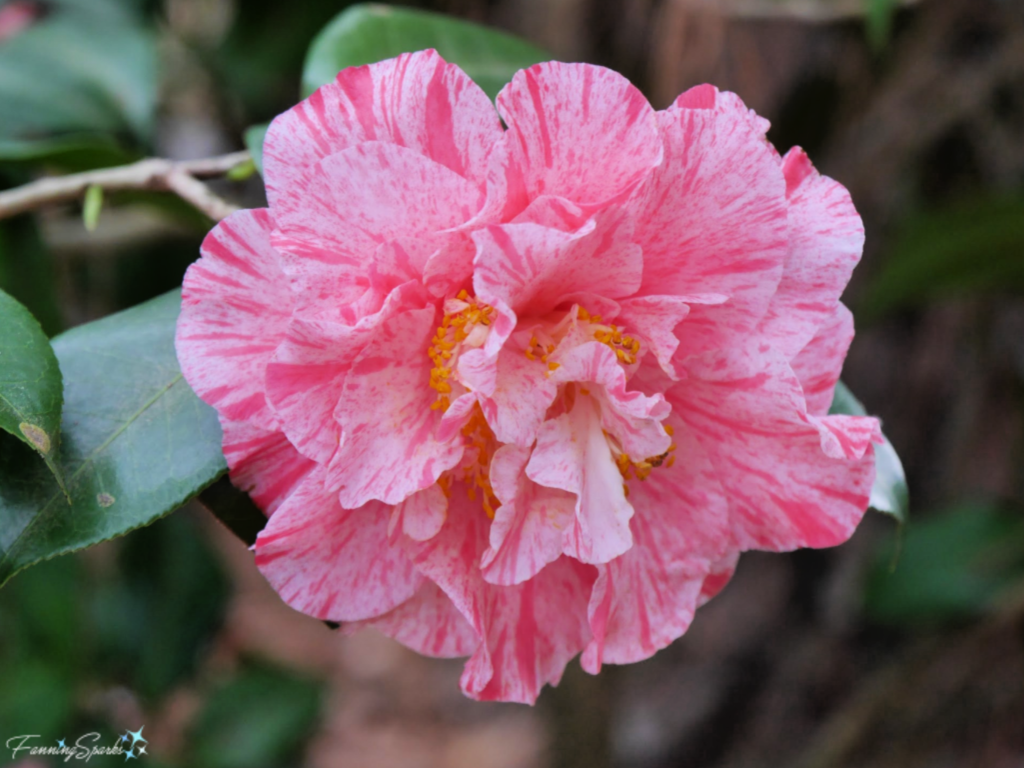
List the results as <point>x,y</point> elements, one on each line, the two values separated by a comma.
<point>235,308</point>
<point>428,623</point>
<point>793,480</point>
<point>527,530</point>
<point>826,237</point>
<point>713,219</point>
<point>819,364</point>
<point>304,379</point>
<point>417,101</point>
<point>529,632</point>
<point>531,268</point>
<point>350,203</point>
<point>263,463</point>
<point>522,394</point>
<point>579,132</point>
<point>572,454</point>
<point>421,516</point>
<point>646,598</point>
<point>333,563</point>
<point>653,320</point>
<point>389,448</point>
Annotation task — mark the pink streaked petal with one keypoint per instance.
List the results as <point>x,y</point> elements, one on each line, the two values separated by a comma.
<point>826,238</point>
<point>528,632</point>
<point>709,97</point>
<point>354,201</point>
<point>478,368</point>
<point>332,563</point>
<point>421,516</point>
<point>263,463</point>
<point>653,319</point>
<point>306,375</point>
<point>719,576</point>
<point>526,533</point>
<point>631,416</point>
<point>785,490</point>
<point>390,449</point>
<point>428,623</point>
<point>522,394</point>
<point>572,454</point>
<point>645,599</point>
<point>450,267</point>
<point>713,219</point>
<point>531,268</point>
<point>553,212</point>
<point>819,364</point>
<point>579,132</point>
<point>235,309</point>
<point>416,100</point>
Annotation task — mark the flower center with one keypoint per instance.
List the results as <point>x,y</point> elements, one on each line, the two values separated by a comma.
<point>465,324</point>
<point>641,469</point>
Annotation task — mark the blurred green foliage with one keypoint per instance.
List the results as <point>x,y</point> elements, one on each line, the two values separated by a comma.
<point>974,247</point>
<point>83,73</point>
<point>954,565</point>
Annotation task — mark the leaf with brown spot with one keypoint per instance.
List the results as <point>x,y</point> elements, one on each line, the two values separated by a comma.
<point>31,387</point>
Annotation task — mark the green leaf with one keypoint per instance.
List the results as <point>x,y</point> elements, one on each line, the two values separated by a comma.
<point>31,388</point>
<point>136,441</point>
<point>955,565</point>
<point>82,70</point>
<point>971,248</point>
<point>889,493</point>
<point>261,718</point>
<point>367,33</point>
<point>254,143</point>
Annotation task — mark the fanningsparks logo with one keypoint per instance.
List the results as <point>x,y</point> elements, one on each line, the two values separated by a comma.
<point>130,745</point>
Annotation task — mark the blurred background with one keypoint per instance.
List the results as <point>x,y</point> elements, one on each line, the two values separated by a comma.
<point>818,659</point>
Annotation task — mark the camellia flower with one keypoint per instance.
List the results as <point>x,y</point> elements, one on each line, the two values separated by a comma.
<point>517,394</point>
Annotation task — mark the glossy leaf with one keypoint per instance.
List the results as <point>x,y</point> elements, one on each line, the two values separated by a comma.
<point>136,441</point>
<point>81,71</point>
<point>889,493</point>
<point>955,565</point>
<point>367,33</point>
<point>31,388</point>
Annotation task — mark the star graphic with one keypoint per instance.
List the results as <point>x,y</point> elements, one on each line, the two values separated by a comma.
<point>129,755</point>
<point>61,744</point>
<point>142,750</point>
<point>137,737</point>
<point>125,736</point>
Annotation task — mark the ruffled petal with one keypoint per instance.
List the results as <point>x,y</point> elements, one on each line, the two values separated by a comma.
<point>235,307</point>
<point>653,320</point>
<point>351,203</point>
<point>529,632</point>
<point>793,480</point>
<point>305,378</point>
<point>522,395</point>
<point>826,238</point>
<point>263,463</point>
<point>428,623</point>
<point>527,530</point>
<point>572,454</point>
<point>389,448</point>
<point>632,417</point>
<point>416,100</point>
<point>531,268</point>
<point>819,364</point>
<point>579,132</point>
<point>333,563</point>
<point>421,516</point>
<point>646,598</point>
<point>713,219</point>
